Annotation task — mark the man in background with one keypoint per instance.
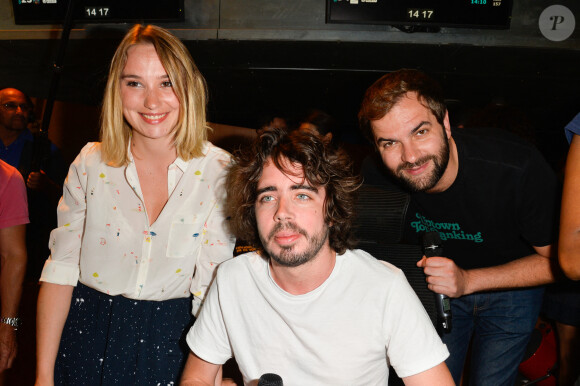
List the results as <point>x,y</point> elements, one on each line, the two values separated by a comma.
<point>40,164</point>
<point>13,220</point>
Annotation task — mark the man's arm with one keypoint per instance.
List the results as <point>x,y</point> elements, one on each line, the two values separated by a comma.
<point>198,372</point>
<point>445,277</point>
<point>435,376</point>
<point>569,244</point>
<point>12,270</point>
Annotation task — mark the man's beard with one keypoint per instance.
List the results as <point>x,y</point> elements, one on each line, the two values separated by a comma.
<point>17,123</point>
<point>287,256</point>
<point>425,183</point>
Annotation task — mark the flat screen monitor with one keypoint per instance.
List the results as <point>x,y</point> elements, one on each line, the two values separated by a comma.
<point>495,14</point>
<point>97,11</point>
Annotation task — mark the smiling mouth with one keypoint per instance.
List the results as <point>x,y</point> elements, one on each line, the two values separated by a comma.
<point>154,117</point>
<point>416,169</point>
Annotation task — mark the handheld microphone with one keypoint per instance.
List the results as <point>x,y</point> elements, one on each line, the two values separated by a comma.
<point>270,379</point>
<point>432,246</point>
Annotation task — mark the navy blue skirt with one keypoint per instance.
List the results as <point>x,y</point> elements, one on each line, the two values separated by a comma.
<point>113,340</point>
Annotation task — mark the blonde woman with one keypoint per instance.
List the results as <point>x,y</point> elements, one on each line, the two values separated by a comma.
<point>140,227</point>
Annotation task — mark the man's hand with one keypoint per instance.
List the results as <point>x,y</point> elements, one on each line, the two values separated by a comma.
<point>7,346</point>
<point>38,181</point>
<point>444,276</point>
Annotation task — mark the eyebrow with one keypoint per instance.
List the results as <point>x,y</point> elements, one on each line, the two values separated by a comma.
<point>265,189</point>
<point>125,76</point>
<point>293,187</point>
<point>305,187</point>
<point>413,131</point>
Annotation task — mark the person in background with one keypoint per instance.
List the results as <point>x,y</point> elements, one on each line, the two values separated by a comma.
<point>18,145</point>
<point>13,220</point>
<point>320,121</point>
<point>140,226</point>
<point>25,151</point>
<point>493,200</point>
<point>569,247</point>
<point>568,303</point>
<point>305,306</point>
<point>270,119</point>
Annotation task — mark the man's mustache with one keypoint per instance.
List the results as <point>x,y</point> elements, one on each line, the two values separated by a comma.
<point>283,226</point>
<point>409,165</point>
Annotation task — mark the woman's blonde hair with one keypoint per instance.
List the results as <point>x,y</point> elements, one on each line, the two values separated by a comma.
<point>188,84</point>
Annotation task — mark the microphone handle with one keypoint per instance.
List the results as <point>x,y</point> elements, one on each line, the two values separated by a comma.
<point>442,302</point>
<point>443,312</point>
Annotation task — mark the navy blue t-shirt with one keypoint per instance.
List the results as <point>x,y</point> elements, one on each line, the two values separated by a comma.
<point>503,201</point>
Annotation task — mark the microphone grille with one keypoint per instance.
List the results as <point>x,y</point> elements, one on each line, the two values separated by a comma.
<point>431,238</point>
<point>270,379</point>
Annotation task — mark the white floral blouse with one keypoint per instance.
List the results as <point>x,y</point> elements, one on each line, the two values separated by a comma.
<point>104,239</point>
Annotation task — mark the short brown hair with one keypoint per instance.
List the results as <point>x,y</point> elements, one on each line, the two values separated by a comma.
<point>188,84</point>
<point>386,92</point>
<point>323,165</point>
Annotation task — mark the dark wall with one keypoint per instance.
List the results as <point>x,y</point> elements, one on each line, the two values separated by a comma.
<point>248,77</point>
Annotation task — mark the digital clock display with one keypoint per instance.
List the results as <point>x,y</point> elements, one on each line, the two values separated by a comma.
<point>420,14</point>
<point>97,11</point>
<point>91,12</point>
<point>449,13</point>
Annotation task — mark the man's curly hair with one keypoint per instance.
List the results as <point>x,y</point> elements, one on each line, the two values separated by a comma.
<point>324,166</point>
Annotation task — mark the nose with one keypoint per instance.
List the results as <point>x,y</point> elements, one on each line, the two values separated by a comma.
<point>283,210</point>
<point>410,153</point>
<point>151,100</point>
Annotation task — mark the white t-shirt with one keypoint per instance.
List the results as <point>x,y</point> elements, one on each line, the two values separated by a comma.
<point>345,332</point>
